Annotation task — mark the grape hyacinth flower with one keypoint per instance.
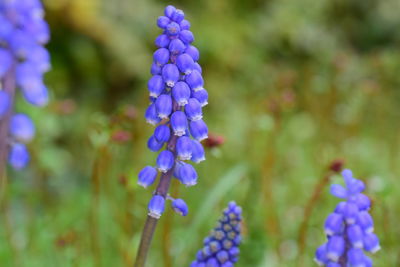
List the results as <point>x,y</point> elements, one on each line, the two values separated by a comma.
<point>221,248</point>
<point>23,61</point>
<point>177,96</point>
<point>349,228</point>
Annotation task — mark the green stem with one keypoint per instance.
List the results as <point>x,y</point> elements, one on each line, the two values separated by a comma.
<point>151,223</point>
<point>8,83</point>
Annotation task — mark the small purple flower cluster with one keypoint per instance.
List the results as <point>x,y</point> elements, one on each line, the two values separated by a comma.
<point>177,97</point>
<point>221,248</point>
<point>23,32</point>
<point>349,228</point>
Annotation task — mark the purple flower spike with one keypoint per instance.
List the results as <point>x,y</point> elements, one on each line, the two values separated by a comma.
<point>156,206</point>
<point>177,96</point>
<point>23,61</point>
<point>349,228</point>
<point>219,249</point>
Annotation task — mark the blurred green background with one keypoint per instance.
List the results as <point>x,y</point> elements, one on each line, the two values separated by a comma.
<point>295,86</point>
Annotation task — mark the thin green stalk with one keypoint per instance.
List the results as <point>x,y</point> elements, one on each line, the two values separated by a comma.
<point>8,84</point>
<point>151,223</point>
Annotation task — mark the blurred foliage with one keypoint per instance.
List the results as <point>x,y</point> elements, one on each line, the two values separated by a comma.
<point>293,86</point>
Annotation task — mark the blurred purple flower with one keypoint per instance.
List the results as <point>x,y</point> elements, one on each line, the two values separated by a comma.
<point>349,228</point>
<point>23,32</point>
<point>221,247</point>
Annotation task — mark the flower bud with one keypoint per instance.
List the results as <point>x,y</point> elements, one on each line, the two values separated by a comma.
<point>184,148</point>
<point>180,207</point>
<point>151,115</point>
<point>185,63</point>
<point>355,235</point>
<point>195,81</point>
<point>334,224</point>
<point>179,123</point>
<point>193,110</point>
<point>164,106</point>
<point>355,257</point>
<point>320,255</point>
<point>170,74</point>
<point>161,56</point>
<point>18,156</point>
<point>176,47</point>
<point>371,243</point>
<point>198,154</point>
<point>153,144</point>
<point>187,174</point>
<point>173,29</point>
<point>350,213</point>
<point>201,96</point>
<point>184,24</point>
<point>163,21</point>
<point>181,93</point>
<point>193,52</point>
<point>169,11</point>
<point>22,128</point>
<point>162,133</point>
<point>155,69</point>
<point>335,248</point>
<point>364,220</point>
<point>147,176</point>
<point>198,129</point>
<point>156,85</point>
<point>165,161</point>
<point>197,67</point>
<point>186,36</point>
<point>178,16</point>
<point>156,206</point>
<point>162,41</point>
